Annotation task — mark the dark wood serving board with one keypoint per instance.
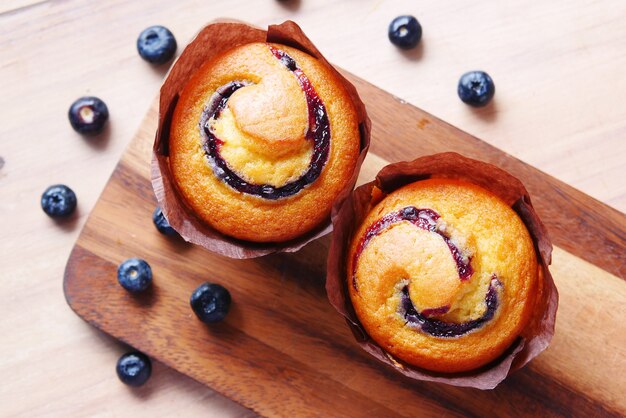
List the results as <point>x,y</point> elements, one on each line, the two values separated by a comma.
<point>284,351</point>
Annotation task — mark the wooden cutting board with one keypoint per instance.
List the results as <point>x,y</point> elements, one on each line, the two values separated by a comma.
<point>284,351</point>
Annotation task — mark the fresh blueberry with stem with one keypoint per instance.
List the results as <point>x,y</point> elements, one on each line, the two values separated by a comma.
<point>476,88</point>
<point>156,44</point>
<point>161,223</point>
<point>405,32</point>
<point>58,201</point>
<point>210,302</point>
<point>134,368</point>
<point>88,115</point>
<point>135,275</point>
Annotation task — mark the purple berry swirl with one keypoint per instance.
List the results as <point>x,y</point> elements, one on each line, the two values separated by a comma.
<point>318,132</point>
<point>426,219</point>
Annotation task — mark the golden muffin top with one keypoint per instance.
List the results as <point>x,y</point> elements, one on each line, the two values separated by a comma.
<point>263,139</point>
<point>443,275</point>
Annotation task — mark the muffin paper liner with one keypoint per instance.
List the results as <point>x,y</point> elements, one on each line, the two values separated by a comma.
<point>214,39</point>
<point>348,214</point>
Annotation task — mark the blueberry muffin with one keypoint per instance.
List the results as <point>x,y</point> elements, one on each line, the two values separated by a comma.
<point>263,139</point>
<point>443,275</point>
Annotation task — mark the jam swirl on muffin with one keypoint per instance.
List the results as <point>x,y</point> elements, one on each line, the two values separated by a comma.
<point>426,219</point>
<point>263,139</point>
<point>318,132</point>
<point>443,275</point>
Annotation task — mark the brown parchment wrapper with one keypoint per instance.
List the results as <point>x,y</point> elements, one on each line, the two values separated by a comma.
<point>212,40</point>
<point>348,214</point>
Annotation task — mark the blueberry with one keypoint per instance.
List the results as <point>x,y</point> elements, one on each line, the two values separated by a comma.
<point>476,88</point>
<point>405,32</point>
<point>156,44</point>
<point>88,115</point>
<point>210,302</point>
<point>135,275</point>
<point>58,201</point>
<point>161,223</point>
<point>134,369</point>
<point>409,213</point>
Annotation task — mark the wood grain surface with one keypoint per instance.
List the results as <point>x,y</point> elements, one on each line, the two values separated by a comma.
<point>284,351</point>
<point>560,106</point>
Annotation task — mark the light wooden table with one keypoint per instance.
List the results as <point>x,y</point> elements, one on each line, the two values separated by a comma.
<point>560,105</point>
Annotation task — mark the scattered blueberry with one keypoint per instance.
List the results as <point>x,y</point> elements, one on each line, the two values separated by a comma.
<point>58,201</point>
<point>405,32</point>
<point>210,302</point>
<point>134,369</point>
<point>135,275</point>
<point>476,88</point>
<point>88,115</point>
<point>156,44</point>
<point>161,223</point>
